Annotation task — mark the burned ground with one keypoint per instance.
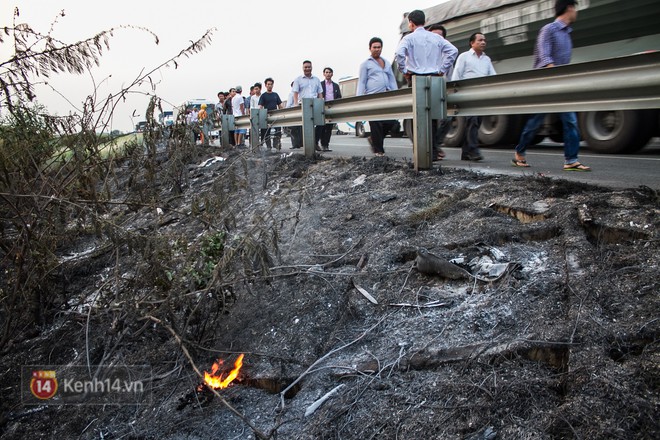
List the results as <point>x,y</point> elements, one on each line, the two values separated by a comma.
<point>307,267</point>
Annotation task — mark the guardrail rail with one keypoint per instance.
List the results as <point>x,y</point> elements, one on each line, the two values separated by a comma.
<point>624,83</point>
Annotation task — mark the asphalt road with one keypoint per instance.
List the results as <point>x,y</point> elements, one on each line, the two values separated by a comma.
<point>615,171</point>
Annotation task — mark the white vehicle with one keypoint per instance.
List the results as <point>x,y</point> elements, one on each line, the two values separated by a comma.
<point>194,103</point>
<point>348,87</point>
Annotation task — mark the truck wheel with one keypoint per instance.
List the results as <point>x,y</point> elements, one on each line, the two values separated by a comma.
<point>456,133</point>
<point>500,129</point>
<point>396,131</point>
<point>408,128</point>
<point>359,130</point>
<point>617,131</point>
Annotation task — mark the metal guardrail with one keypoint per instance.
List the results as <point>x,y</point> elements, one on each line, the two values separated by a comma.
<point>625,83</point>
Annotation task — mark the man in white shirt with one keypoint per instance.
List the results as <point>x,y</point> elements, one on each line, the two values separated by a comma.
<point>254,99</point>
<point>238,108</point>
<point>473,64</point>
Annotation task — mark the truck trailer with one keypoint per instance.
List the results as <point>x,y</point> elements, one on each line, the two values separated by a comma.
<point>604,29</point>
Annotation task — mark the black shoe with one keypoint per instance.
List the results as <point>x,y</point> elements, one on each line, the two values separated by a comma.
<point>326,149</point>
<point>472,157</point>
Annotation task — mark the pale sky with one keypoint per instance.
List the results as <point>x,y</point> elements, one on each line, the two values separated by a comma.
<point>255,39</point>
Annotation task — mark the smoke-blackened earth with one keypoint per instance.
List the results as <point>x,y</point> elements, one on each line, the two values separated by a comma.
<point>308,267</point>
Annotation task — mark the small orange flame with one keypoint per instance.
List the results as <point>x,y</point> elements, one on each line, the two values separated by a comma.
<point>217,382</point>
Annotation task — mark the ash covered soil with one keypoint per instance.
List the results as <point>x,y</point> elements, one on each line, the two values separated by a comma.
<point>308,267</point>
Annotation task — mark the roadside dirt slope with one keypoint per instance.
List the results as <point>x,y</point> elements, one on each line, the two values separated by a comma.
<point>556,337</point>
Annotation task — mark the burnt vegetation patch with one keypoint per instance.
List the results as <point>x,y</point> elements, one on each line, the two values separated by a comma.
<point>296,264</point>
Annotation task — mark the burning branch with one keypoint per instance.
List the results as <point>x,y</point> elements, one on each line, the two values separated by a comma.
<point>217,382</point>
<point>256,431</point>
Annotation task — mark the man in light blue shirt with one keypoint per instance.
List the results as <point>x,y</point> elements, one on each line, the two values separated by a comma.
<point>305,86</point>
<point>420,51</point>
<point>473,64</point>
<point>424,53</point>
<point>376,76</point>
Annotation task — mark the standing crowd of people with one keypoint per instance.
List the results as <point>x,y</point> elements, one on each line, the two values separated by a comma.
<point>422,52</point>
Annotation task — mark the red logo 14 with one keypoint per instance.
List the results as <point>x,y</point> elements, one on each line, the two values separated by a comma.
<point>43,384</point>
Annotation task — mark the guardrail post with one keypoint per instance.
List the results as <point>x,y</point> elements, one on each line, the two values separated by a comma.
<point>257,122</point>
<point>429,103</point>
<point>312,115</point>
<point>226,125</point>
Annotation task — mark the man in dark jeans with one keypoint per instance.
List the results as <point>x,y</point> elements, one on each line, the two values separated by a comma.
<point>553,48</point>
<point>271,101</point>
<point>331,92</point>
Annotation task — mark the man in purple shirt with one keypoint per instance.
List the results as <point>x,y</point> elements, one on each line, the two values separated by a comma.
<point>331,91</point>
<point>553,48</point>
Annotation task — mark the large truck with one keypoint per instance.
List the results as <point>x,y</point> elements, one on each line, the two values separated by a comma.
<point>604,29</point>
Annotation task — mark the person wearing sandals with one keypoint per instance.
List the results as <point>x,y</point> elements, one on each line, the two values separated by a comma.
<point>553,48</point>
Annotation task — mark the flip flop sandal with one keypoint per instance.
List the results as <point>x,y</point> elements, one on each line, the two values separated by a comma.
<point>520,163</point>
<point>577,166</point>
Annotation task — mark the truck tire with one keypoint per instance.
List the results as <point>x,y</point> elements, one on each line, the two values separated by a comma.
<point>359,130</point>
<point>617,131</point>
<point>500,129</point>
<point>396,131</point>
<point>456,133</point>
<point>408,128</point>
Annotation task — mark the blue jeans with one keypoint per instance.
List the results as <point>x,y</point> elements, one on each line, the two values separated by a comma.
<point>571,135</point>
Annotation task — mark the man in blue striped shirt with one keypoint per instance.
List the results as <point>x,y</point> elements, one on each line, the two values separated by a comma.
<point>553,48</point>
